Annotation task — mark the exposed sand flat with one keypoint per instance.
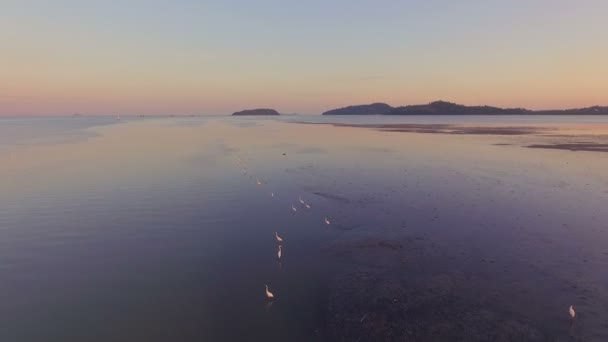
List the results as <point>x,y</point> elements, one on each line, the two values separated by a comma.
<point>591,147</point>
<point>489,129</point>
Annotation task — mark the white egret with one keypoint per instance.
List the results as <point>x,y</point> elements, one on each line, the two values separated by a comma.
<point>307,205</point>
<point>279,239</point>
<point>269,294</point>
<point>259,182</point>
<point>572,312</point>
<point>280,252</point>
<point>272,194</point>
<point>327,221</point>
<point>293,208</point>
<point>301,200</point>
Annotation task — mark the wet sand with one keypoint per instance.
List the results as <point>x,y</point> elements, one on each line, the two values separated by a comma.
<point>599,132</point>
<point>590,147</point>
<point>443,128</point>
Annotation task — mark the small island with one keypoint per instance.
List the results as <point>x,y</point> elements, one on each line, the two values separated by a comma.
<point>256,112</point>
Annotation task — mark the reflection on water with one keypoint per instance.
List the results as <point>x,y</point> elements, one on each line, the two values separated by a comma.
<point>149,230</point>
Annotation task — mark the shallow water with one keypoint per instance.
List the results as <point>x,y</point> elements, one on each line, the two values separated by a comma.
<point>147,229</point>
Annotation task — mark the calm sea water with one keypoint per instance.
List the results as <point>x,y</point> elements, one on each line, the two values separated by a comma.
<point>147,229</point>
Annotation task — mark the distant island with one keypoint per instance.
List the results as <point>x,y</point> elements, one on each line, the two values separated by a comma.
<point>369,109</point>
<point>261,111</point>
<point>448,108</point>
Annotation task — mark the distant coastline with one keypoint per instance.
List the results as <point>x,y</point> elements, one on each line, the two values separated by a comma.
<point>448,108</point>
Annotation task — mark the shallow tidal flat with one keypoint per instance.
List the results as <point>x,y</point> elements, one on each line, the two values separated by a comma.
<point>483,239</point>
<point>148,229</point>
<point>576,137</point>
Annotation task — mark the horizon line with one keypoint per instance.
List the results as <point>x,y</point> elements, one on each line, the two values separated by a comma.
<point>77,114</point>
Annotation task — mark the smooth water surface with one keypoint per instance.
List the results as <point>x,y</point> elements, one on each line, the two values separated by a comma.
<point>148,229</point>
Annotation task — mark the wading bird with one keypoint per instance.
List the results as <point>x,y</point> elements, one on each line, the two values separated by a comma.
<point>293,208</point>
<point>259,183</point>
<point>279,239</point>
<point>301,200</point>
<point>572,312</point>
<point>307,205</point>
<point>269,294</point>
<point>327,221</point>
<point>280,252</point>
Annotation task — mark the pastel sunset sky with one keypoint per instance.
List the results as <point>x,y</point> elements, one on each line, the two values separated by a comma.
<point>215,57</point>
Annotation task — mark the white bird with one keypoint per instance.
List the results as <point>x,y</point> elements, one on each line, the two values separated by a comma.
<point>293,208</point>
<point>272,194</point>
<point>279,239</point>
<point>307,205</point>
<point>327,221</point>
<point>280,252</point>
<point>259,183</point>
<point>269,294</point>
<point>301,200</point>
<point>572,312</point>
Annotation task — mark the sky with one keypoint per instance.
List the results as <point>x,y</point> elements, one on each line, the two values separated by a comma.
<point>216,57</point>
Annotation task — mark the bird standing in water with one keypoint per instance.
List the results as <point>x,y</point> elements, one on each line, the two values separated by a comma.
<point>293,208</point>
<point>279,253</point>
<point>279,239</point>
<point>327,221</point>
<point>572,312</point>
<point>269,294</point>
